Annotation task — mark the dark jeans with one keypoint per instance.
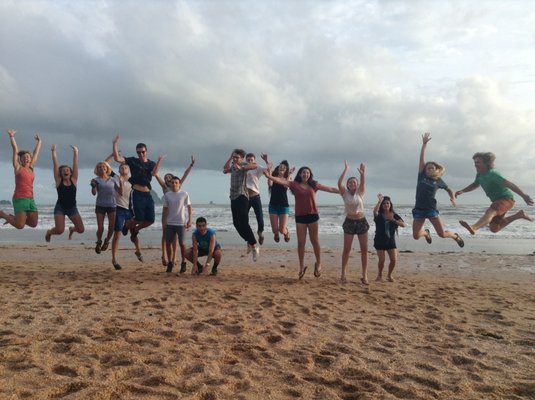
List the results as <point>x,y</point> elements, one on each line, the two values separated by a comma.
<point>240,218</point>
<point>256,204</point>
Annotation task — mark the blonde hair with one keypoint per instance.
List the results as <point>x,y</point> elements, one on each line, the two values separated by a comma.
<point>488,158</point>
<point>108,168</point>
<point>439,170</point>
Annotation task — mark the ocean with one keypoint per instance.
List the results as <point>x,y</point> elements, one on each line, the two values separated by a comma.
<point>517,238</point>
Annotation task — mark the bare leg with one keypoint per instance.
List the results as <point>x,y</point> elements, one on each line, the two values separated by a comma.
<point>111,226</point>
<point>100,226</point>
<point>115,246</point>
<point>59,227</point>
<point>381,254</point>
<point>363,242</point>
<point>348,242</point>
<point>417,229</point>
<point>313,231</point>
<point>301,230</point>
<point>503,222</point>
<point>32,219</point>
<point>393,255</point>
<point>78,225</point>
<point>18,220</point>
<point>439,227</point>
<point>164,247</point>
<point>483,221</point>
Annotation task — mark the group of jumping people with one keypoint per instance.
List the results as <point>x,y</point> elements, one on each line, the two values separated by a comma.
<point>125,199</point>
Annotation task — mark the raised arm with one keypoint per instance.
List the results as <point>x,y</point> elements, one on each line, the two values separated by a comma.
<point>157,166</point>
<point>187,171</point>
<point>426,137</point>
<point>74,164</point>
<point>109,158</point>
<point>226,167</point>
<point>518,191</point>
<point>57,176</point>
<point>276,179</point>
<point>377,207</point>
<point>161,182</point>
<point>264,157</point>
<point>362,185</point>
<point>36,150</point>
<point>341,187</point>
<point>116,155</point>
<point>469,188</point>
<point>11,133</point>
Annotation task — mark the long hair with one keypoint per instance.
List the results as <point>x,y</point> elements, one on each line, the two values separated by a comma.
<point>311,182</point>
<point>439,170</point>
<point>286,174</point>
<point>387,198</point>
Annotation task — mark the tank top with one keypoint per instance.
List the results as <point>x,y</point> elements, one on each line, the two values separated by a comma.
<point>279,195</point>
<point>66,195</point>
<point>24,184</point>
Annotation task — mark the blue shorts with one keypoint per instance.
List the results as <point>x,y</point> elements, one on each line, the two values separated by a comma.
<point>279,210</point>
<point>121,216</point>
<point>69,212</point>
<point>423,213</point>
<point>143,206</point>
<point>171,231</point>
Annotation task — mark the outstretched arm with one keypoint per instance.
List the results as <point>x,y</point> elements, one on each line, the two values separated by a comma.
<point>328,189</point>
<point>341,187</point>
<point>116,155</point>
<point>518,191</point>
<point>11,133</point>
<point>187,171</point>
<point>74,164</point>
<point>426,137</point>
<point>57,176</point>
<point>452,197</point>
<point>276,179</point>
<point>36,150</point>
<point>157,166</point>
<point>469,188</point>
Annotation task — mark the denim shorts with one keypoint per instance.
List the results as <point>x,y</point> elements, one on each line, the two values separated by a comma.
<point>279,210</point>
<point>122,215</point>
<point>423,213</point>
<point>69,212</point>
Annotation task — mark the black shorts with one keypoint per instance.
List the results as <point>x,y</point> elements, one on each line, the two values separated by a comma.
<point>307,219</point>
<point>105,210</point>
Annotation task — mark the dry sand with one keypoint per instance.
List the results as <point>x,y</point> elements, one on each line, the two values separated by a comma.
<point>452,326</point>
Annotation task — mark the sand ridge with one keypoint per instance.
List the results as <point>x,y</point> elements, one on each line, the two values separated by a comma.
<point>451,327</point>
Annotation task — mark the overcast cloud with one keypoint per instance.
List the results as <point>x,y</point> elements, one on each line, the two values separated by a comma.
<point>314,82</point>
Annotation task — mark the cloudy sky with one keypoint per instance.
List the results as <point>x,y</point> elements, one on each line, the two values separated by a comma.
<point>314,82</point>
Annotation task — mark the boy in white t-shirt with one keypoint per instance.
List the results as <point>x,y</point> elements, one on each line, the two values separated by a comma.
<point>253,190</point>
<point>175,204</point>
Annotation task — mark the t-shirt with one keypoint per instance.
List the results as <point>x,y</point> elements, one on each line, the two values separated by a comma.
<point>141,172</point>
<point>492,184</point>
<point>385,229</point>
<point>123,200</point>
<point>237,181</point>
<point>426,189</point>
<point>176,204</point>
<point>253,178</point>
<point>106,191</point>
<point>305,199</point>
<point>353,203</point>
<point>203,241</point>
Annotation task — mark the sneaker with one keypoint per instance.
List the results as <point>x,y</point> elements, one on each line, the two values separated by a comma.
<point>97,247</point>
<point>260,238</point>
<point>256,252</point>
<point>183,267</point>
<point>287,237</point>
<point>169,266</point>
<point>105,245</point>
<point>116,265</point>
<point>124,230</point>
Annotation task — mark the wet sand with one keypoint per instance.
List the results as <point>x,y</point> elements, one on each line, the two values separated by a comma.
<point>452,326</point>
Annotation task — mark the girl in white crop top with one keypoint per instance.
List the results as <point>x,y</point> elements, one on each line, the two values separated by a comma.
<point>355,222</point>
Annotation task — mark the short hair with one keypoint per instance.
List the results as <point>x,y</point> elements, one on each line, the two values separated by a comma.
<point>250,155</point>
<point>176,178</point>
<point>141,146</point>
<point>108,168</point>
<point>488,158</point>
<point>200,220</point>
<point>439,169</point>
<point>239,152</point>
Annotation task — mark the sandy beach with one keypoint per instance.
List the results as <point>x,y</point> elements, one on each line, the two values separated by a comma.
<point>452,326</point>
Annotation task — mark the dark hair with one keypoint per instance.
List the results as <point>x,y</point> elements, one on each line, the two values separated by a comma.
<point>176,178</point>
<point>22,152</point>
<point>311,182</point>
<point>239,152</point>
<point>391,204</point>
<point>64,166</point>
<point>141,146</point>
<point>200,220</point>
<point>276,170</point>
<point>250,155</point>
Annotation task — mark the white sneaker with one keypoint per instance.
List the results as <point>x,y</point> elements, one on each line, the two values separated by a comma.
<point>256,252</point>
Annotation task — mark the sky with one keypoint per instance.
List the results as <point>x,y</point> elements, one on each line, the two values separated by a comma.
<point>313,82</point>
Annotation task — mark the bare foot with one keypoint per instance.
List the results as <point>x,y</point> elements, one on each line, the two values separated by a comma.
<point>390,279</point>
<point>48,235</point>
<point>343,280</point>
<point>524,215</point>
<point>71,232</point>
<point>379,278</point>
<point>317,270</point>
<point>364,281</point>
<point>302,273</point>
<point>468,227</point>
